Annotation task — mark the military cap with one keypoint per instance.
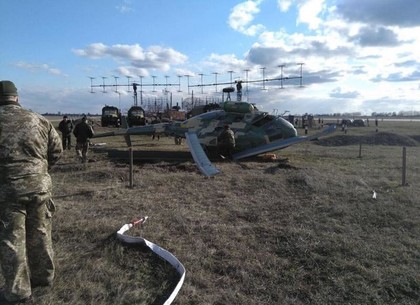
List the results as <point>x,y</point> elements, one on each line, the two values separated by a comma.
<point>7,88</point>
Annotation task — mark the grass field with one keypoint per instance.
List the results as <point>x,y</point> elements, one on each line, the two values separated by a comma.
<point>303,229</point>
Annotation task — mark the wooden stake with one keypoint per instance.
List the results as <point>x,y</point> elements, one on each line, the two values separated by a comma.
<point>130,150</point>
<point>404,166</point>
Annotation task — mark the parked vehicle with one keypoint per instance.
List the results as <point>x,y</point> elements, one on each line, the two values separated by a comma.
<point>136,116</point>
<point>359,123</point>
<point>111,116</point>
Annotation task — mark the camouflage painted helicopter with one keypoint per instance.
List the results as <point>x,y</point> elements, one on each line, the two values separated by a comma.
<point>256,132</point>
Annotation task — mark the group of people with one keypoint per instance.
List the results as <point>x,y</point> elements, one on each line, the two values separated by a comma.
<point>29,147</point>
<point>82,131</point>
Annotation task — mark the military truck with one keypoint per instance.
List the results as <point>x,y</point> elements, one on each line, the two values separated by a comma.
<point>111,116</point>
<point>136,116</point>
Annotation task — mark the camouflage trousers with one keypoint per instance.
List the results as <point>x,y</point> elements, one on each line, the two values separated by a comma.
<point>226,150</point>
<point>82,149</point>
<point>66,140</point>
<point>26,253</point>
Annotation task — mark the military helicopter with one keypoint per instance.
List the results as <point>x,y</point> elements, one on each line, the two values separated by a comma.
<point>256,132</point>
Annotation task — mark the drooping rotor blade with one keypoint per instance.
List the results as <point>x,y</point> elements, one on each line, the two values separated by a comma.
<point>138,130</point>
<point>117,132</point>
<point>200,157</point>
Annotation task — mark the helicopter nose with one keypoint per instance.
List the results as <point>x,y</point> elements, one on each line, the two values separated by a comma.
<point>289,131</point>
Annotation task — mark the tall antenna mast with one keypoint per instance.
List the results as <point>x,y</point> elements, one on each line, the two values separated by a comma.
<point>116,83</point>
<point>103,84</point>
<point>201,74</point>
<point>281,75</point>
<point>231,72</point>
<point>263,78</point>
<point>179,83</point>
<point>188,82</point>
<point>141,89</point>
<point>301,75</point>
<point>166,83</point>
<point>91,84</point>
<point>246,79</point>
<point>215,79</point>
<point>154,83</point>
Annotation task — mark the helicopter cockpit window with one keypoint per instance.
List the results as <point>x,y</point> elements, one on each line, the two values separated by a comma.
<point>238,117</point>
<point>274,131</point>
<point>211,115</point>
<point>262,120</point>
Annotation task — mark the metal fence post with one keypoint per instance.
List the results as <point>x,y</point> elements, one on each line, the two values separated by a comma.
<point>404,166</point>
<point>130,150</point>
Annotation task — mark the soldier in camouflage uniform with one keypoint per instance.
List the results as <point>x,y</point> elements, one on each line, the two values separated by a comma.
<point>29,145</point>
<point>66,127</point>
<point>226,142</point>
<point>83,132</point>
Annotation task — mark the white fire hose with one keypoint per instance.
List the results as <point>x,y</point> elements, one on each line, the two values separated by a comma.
<point>165,254</point>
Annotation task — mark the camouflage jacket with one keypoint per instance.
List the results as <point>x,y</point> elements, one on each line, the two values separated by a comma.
<point>227,137</point>
<point>65,127</point>
<point>83,131</point>
<point>29,145</point>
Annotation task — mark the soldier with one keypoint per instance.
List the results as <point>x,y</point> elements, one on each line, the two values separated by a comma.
<point>66,127</point>
<point>29,146</point>
<point>83,132</point>
<point>226,142</point>
<point>239,90</point>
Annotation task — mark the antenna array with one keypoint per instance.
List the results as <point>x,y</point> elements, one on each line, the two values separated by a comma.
<point>138,86</point>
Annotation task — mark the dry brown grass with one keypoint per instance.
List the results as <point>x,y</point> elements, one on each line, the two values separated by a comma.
<point>303,229</point>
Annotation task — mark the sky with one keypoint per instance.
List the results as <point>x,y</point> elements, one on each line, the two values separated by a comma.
<point>355,55</point>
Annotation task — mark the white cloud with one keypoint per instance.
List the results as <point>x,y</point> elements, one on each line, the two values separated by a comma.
<point>131,71</point>
<point>381,12</point>
<point>309,11</point>
<point>125,7</point>
<point>39,68</point>
<point>130,52</point>
<point>154,57</point>
<point>342,94</point>
<point>242,15</point>
<point>284,5</point>
<point>93,51</point>
<point>225,62</point>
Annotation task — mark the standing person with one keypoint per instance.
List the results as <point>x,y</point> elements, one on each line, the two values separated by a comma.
<point>83,132</point>
<point>29,146</point>
<point>66,127</point>
<point>239,90</point>
<point>226,142</point>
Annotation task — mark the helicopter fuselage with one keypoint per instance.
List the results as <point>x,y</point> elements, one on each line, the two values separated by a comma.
<point>251,128</point>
